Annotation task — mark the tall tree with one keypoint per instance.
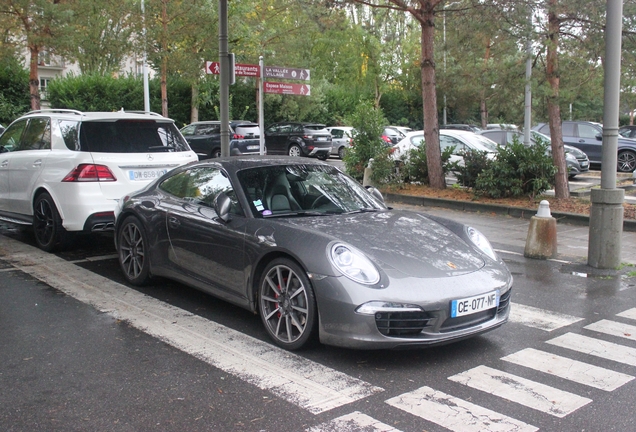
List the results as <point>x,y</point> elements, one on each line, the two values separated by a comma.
<point>42,24</point>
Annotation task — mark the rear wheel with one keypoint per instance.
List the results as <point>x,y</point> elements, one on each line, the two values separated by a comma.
<point>287,304</point>
<point>216,153</point>
<point>132,248</point>
<point>626,161</point>
<point>323,156</point>
<point>341,152</point>
<point>47,224</point>
<point>294,150</point>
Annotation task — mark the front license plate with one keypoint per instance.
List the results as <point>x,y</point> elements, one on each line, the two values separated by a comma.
<point>583,164</point>
<point>145,174</point>
<point>471,305</point>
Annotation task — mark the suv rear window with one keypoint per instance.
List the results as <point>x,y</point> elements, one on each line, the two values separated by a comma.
<point>131,136</point>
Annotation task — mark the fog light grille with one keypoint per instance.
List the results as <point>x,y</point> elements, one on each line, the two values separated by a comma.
<point>402,323</point>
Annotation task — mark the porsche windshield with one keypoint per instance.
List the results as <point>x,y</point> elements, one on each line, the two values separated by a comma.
<point>304,189</point>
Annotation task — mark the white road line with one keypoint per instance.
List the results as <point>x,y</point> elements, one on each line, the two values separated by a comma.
<point>630,313</point>
<point>455,414</point>
<point>525,392</point>
<point>95,259</point>
<point>302,382</point>
<point>354,422</point>
<point>540,318</point>
<point>614,328</point>
<point>596,347</point>
<point>572,370</point>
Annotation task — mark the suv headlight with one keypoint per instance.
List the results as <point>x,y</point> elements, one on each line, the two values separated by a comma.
<point>481,242</point>
<point>353,264</point>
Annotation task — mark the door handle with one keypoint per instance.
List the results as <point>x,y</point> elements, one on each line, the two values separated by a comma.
<point>4,164</point>
<point>37,163</point>
<point>173,222</point>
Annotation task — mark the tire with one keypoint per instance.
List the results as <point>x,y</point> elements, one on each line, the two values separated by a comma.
<point>216,153</point>
<point>626,161</point>
<point>323,157</point>
<point>341,152</point>
<point>132,251</point>
<point>294,150</point>
<point>47,224</point>
<point>287,304</point>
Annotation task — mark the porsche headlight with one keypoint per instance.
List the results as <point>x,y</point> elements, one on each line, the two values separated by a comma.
<point>353,264</point>
<point>481,242</point>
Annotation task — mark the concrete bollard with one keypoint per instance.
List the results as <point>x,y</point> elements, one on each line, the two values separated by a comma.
<point>541,242</point>
<point>366,179</point>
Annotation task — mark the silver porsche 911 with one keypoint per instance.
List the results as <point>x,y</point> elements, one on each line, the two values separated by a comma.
<point>314,253</point>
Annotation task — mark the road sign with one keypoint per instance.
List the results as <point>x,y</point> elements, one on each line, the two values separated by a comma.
<point>248,70</point>
<point>287,88</point>
<point>286,73</point>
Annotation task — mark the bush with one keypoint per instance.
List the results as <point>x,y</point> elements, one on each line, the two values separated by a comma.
<point>14,90</point>
<point>369,123</point>
<point>517,171</point>
<point>475,162</point>
<point>416,167</point>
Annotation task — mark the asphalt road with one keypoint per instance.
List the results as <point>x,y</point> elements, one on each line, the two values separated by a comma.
<point>81,350</point>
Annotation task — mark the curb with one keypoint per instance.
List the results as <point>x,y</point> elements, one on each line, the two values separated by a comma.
<point>498,209</point>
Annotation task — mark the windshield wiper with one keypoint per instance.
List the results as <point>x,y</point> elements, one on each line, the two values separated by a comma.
<point>364,210</point>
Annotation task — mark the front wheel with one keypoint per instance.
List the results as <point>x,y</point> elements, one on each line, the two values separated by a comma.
<point>341,152</point>
<point>626,161</point>
<point>216,153</point>
<point>287,304</point>
<point>294,150</point>
<point>132,249</point>
<point>323,156</point>
<point>47,224</point>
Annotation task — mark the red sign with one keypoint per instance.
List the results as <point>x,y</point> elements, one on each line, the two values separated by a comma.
<point>247,70</point>
<point>287,88</point>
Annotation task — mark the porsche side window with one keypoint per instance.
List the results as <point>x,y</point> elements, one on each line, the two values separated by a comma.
<point>201,186</point>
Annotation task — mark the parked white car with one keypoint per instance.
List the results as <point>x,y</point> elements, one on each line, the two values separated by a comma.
<point>63,171</point>
<point>459,139</point>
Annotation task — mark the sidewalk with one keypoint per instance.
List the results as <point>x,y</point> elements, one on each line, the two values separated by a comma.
<point>507,228</point>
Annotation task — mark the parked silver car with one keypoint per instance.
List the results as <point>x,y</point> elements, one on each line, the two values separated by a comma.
<point>341,139</point>
<point>314,253</point>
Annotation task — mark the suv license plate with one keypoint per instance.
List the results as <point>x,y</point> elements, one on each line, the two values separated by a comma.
<point>471,305</point>
<point>145,174</point>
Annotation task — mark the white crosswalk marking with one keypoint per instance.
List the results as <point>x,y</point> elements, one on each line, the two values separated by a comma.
<point>572,370</point>
<point>596,347</point>
<point>354,422</point>
<point>302,382</point>
<point>525,392</point>
<point>614,328</point>
<point>455,414</point>
<point>540,318</point>
<point>630,313</point>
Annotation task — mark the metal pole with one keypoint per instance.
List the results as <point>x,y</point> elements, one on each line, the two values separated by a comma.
<point>444,33</point>
<point>261,111</point>
<point>145,65</point>
<point>606,213</point>
<point>527,119</point>
<point>224,90</point>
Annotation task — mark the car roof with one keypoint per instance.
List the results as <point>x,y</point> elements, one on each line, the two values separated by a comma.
<point>233,164</point>
<point>96,115</point>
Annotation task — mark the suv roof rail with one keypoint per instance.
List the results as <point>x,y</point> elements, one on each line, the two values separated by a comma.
<point>56,110</point>
<point>141,112</point>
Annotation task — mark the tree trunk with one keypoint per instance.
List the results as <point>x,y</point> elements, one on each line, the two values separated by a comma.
<point>561,188</point>
<point>34,80</point>
<point>431,134</point>
<point>483,108</point>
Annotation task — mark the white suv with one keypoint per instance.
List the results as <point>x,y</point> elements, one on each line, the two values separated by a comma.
<point>62,171</point>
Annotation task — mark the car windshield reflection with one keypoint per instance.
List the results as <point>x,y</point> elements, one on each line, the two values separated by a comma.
<point>304,190</point>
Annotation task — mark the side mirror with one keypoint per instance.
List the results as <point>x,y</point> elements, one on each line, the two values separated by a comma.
<point>599,137</point>
<point>376,193</point>
<point>222,205</point>
<point>3,149</point>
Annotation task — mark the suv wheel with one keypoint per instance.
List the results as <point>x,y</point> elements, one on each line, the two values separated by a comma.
<point>341,152</point>
<point>47,223</point>
<point>216,153</point>
<point>294,150</point>
<point>626,161</point>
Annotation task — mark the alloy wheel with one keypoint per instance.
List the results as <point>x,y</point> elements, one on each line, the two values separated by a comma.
<point>132,251</point>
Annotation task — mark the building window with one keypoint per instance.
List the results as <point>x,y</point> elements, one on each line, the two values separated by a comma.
<point>44,83</point>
